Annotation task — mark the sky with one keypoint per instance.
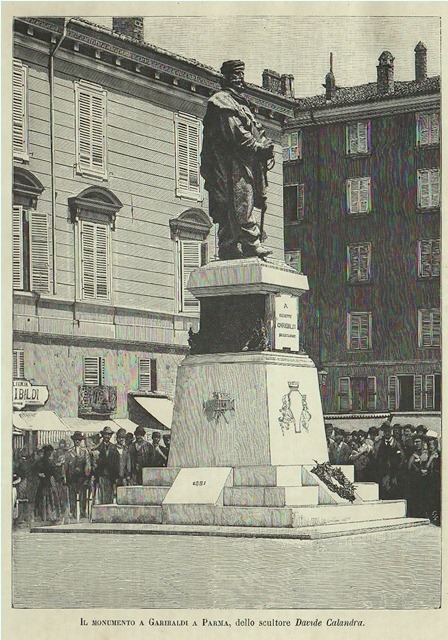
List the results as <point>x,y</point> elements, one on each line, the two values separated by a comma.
<point>300,45</point>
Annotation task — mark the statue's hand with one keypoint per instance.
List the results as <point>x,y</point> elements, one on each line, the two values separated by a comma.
<point>266,149</point>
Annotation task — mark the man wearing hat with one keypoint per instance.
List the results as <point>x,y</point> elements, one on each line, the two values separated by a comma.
<point>234,164</point>
<point>389,460</point>
<point>141,452</point>
<point>124,469</point>
<point>77,473</point>
<point>107,468</point>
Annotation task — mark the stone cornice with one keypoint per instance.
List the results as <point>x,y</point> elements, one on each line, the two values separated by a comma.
<point>317,117</point>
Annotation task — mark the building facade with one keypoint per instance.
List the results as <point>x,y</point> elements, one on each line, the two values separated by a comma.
<point>110,216</point>
<point>362,220</point>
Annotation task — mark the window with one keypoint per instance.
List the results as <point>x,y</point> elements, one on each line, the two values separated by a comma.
<point>20,111</point>
<point>191,255</point>
<point>94,261</point>
<point>357,394</point>
<point>428,258</point>
<point>147,374</point>
<point>93,373</point>
<point>428,188</point>
<point>91,115</point>
<point>429,328</point>
<point>358,262</point>
<point>414,392</point>
<point>292,146</point>
<point>294,259</point>
<point>358,195</point>
<point>294,202</point>
<point>30,250</point>
<point>357,138</point>
<point>18,363</point>
<point>188,142</point>
<point>359,331</point>
<point>428,128</point>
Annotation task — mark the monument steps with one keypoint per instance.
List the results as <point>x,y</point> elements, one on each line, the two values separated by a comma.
<point>270,496</point>
<point>141,495</point>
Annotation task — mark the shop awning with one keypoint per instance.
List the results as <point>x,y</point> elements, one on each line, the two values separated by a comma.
<point>160,408</point>
<point>38,421</point>
<point>125,423</point>
<point>89,426</point>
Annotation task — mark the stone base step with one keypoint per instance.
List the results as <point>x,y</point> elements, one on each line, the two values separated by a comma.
<point>367,491</point>
<point>141,495</point>
<point>159,476</point>
<point>300,533</point>
<point>270,496</point>
<point>262,516</point>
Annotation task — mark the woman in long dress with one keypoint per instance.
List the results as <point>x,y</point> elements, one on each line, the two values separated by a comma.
<point>47,506</point>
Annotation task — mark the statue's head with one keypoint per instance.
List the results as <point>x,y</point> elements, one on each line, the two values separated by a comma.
<point>233,74</point>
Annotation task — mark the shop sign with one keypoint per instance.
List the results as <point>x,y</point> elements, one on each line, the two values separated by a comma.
<point>26,394</point>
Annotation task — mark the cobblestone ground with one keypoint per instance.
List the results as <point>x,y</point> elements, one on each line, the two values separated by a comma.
<point>389,570</point>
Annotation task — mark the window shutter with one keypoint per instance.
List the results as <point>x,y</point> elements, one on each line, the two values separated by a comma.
<point>371,393</point>
<point>285,147</point>
<point>352,263</point>
<point>423,189</point>
<point>18,363</point>
<point>435,258</point>
<point>418,393</point>
<point>88,259</point>
<point>364,195</point>
<point>144,374</point>
<point>153,375</point>
<point>352,138</point>
<point>364,330</point>
<point>190,260</point>
<point>424,258</point>
<point>39,252</point>
<point>19,111</point>
<point>363,146</point>
<point>423,135</point>
<point>364,262</point>
<point>300,201</point>
<point>434,179</point>
<point>435,317</point>
<point>294,146</point>
<point>17,247</point>
<point>393,393</point>
<point>188,142</point>
<point>95,259</point>
<point>434,128</point>
<point>429,392</point>
<point>352,196</point>
<point>93,371</point>
<point>345,396</point>
<point>91,105</point>
<point>102,262</point>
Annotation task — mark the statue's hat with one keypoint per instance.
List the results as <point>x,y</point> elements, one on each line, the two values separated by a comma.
<point>229,66</point>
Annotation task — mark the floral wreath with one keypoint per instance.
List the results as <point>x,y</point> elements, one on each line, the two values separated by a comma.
<point>335,479</point>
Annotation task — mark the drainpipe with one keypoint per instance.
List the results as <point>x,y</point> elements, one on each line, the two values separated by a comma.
<point>52,152</point>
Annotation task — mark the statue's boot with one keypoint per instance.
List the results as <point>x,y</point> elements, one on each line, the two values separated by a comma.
<point>260,251</point>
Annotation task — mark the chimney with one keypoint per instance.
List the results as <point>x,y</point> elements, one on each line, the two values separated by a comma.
<point>420,62</point>
<point>287,85</point>
<point>272,81</point>
<point>385,73</point>
<point>330,82</point>
<point>131,27</point>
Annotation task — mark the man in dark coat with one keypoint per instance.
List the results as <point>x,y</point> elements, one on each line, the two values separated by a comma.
<point>142,454</point>
<point>389,460</point>
<point>234,164</point>
<point>124,473</point>
<point>107,468</point>
<point>159,458</point>
<point>77,473</point>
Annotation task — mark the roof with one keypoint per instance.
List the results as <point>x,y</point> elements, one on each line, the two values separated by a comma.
<point>369,93</point>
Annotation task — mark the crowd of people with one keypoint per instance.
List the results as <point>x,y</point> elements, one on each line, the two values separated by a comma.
<point>402,459</point>
<point>58,484</point>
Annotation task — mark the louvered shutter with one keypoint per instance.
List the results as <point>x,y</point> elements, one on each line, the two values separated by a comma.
<point>393,393</point>
<point>153,374</point>
<point>345,395</point>
<point>39,252</point>
<point>285,147</point>
<point>423,189</point>
<point>188,143</point>
<point>19,111</point>
<point>95,261</point>
<point>371,393</point>
<point>434,128</point>
<point>364,195</point>
<point>435,258</point>
<point>190,260</point>
<point>93,370</point>
<point>353,263</point>
<point>423,129</point>
<point>102,262</point>
<point>418,393</point>
<point>434,184</point>
<point>17,247</point>
<point>300,201</point>
<point>364,331</point>
<point>429,392</point>
<point>352,138</point>
<point>91,129</point>
<point>352,196</point>
<point>435,317</point>
<point>88,260</point>
<point>294,146</point>
<point>18,363</point>
<point>426,320</point>
<point>144,374</point>
<point>364,262</point>
<point>424,258</point>
<point>362,141</point>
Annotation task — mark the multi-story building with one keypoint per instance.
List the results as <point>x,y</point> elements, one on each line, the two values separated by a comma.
<point>362,220</point>
<point>109,218</point>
